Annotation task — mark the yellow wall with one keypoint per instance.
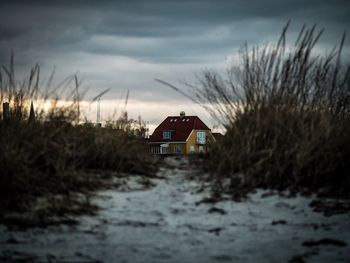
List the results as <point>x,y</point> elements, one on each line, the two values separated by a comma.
<point>192,140</point>
<point>172,147</point>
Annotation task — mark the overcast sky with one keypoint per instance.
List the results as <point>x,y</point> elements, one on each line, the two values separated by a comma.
<point>126,44</point>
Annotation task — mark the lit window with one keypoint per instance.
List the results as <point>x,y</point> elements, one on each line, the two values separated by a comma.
<point>201,137</point>
<point>183,120</point>
<point>175,120</point>
<point>201,149</point>
<point>166,134</point>
<point>188,120</point>
<point>192,149</point>
<point>171,120</point>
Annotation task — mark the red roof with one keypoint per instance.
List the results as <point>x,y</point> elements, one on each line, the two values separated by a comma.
<point>180,127</point>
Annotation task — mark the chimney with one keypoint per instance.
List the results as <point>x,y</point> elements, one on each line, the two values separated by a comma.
<point>182,114</point>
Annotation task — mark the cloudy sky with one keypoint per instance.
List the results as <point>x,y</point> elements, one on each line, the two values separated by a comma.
<point>124,45</point>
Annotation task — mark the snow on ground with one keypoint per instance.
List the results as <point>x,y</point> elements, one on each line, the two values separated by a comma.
<point>164,224</point>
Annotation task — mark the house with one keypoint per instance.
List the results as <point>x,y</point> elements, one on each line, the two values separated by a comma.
<point>181,135</point>
<point>218,136</point>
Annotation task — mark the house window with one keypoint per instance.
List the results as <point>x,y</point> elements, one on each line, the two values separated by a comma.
<point>155,150</point>
<point>191,148</point>
<point>175,120</point>
<point>201,137</point>
<point>164,148</point>
<point>166,134</point>
<point>171,120</point>
<point>178,149</point>
<point>201,149</point>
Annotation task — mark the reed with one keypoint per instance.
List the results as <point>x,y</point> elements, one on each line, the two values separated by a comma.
<point>54,153</point>
<point>286,111</point>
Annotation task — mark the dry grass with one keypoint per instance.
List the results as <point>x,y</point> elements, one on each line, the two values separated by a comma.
<point>287,117</point>
<point>55,155</point>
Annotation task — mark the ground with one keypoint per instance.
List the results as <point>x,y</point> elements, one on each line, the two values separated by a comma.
<point>167,222</point>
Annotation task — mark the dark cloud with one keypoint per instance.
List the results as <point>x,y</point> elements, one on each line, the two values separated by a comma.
<point>156,38</point>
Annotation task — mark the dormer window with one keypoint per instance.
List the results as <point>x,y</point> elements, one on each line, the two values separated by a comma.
<point>166,134</point>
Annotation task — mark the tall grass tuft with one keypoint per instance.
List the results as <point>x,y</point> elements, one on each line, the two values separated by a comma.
<point>53,153</point>
<point>286,111</point>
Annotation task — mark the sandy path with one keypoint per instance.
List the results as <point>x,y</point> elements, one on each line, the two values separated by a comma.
<point>164,224</point>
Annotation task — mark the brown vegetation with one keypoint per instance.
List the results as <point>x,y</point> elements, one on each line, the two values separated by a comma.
<point>54,154</point>
<point>287,117</point>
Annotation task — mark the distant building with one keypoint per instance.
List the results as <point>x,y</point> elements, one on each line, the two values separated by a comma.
<point>218,136</point>
<point>181,135</point>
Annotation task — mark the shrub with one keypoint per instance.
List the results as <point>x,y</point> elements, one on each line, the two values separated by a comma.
<point>53,153</point>
<point>286,112</point>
